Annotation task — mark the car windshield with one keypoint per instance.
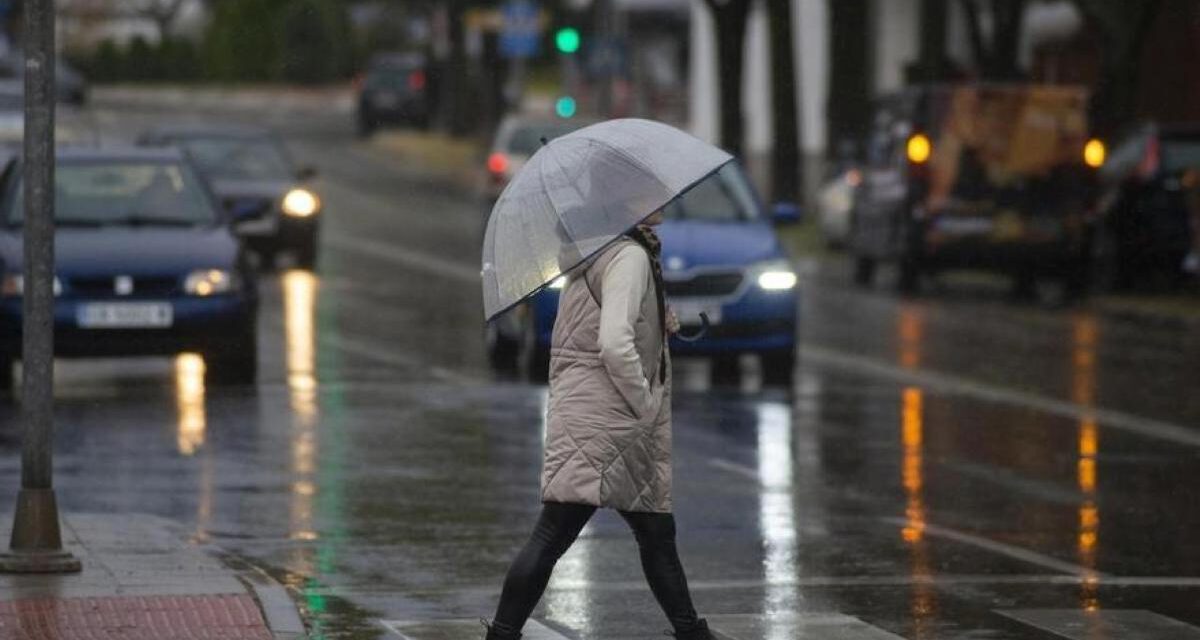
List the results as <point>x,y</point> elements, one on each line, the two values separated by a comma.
<point>239,158</point>
<point>124,193</point>
<point>1180,155</point>
<point>527,139</point>
<point>725,196</point>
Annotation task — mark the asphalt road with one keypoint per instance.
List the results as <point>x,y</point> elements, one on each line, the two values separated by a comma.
<point>947,467</point>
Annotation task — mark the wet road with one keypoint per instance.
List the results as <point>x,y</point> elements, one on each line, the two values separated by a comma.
<point>949,467</point>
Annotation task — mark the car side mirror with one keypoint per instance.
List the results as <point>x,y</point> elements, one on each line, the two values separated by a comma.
<point>306,173</point>
<point>786,213</point>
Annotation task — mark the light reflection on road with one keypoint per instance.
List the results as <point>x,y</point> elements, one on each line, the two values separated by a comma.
<point>299,303</point>
<point>189,401</point>
<point>777,514</point>
<point>1084,337</point>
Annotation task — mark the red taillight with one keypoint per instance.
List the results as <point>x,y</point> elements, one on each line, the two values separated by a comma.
<point>416,80</point>
<point>497,163</point>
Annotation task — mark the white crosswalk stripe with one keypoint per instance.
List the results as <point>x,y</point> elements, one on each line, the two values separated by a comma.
<point>826,626</point>
<point>460,629</point>
<point>1114,624</point>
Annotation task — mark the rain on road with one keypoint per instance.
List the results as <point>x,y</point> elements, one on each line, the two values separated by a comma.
<point>947,467</point>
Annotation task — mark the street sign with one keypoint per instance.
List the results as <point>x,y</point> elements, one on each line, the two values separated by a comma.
<point>521,30</point>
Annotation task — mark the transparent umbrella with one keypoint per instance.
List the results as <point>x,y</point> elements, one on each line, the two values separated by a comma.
<point>580,192</point>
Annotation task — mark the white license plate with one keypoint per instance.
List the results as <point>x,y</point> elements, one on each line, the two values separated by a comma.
<point>126,315</point>
<point>689,312</point>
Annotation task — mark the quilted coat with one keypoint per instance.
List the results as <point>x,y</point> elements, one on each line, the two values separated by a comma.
<point>598,449</point>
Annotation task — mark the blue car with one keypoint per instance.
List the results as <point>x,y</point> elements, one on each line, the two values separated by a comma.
<point>721,257</point>
<point>146,264</point>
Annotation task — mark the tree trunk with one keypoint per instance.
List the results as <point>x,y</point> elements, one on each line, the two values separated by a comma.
<point>787,167</point>
<point>931,61</point>
<point>730,17</point>
<point>851,70</point>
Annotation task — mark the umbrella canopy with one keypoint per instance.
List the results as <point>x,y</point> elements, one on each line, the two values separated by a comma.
<point>580,192</point>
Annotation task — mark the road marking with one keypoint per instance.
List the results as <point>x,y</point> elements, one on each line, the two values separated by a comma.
<point>1125,624</point>
<point>946,383</point>
<point>461,629</point>
<point>1000,548</point>
<point>404,257</point>
<point>796,625</point>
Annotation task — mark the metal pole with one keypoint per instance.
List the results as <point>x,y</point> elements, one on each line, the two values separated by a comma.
<point>36,545</point>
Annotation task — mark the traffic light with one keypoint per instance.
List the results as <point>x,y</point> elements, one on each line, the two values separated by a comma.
<point>567,40</point>
<point>565,107</point>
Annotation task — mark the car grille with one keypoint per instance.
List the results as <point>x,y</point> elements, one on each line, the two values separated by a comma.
<point>105,287</point>
<point>704,285</point>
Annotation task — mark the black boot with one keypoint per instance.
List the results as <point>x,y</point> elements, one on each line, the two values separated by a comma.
<point>698,632</point>
<point>499,632</point>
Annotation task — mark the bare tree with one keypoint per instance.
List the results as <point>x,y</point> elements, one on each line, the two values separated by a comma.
<point>995,56</point>
<point>786,163</point>
<point>161,12</point>
<point>730,17</point>
<point>1123,27</point>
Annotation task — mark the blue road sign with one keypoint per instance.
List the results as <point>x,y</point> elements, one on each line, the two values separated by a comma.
<point>521,36</point>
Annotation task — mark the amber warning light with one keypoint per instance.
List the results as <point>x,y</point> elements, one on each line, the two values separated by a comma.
<point>919,148</point>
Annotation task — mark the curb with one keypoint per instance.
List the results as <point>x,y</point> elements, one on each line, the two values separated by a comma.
<point>280,612</point>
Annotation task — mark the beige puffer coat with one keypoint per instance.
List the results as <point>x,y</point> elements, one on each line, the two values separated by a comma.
<point>600,448</point>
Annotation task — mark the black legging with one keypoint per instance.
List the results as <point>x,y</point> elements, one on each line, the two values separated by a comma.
<point>557,529</point>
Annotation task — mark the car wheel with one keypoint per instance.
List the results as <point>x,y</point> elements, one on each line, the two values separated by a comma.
<point>306,252</point>
<point>864,271</point>
<point>7,379</point>
<point>235,364</point>
<point>725,370</point>
<point>778,367</point>
<point>502,350</point>
<point>534,358</point>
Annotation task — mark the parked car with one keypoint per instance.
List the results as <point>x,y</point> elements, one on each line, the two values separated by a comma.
<point>1152,177</point>
<point>395,89</point>
<point>147,264</point>
<point>70,85</point>
<point>989,177</point>
<point>252,173</point>
<point>721,256</point>
<point>517,138</point>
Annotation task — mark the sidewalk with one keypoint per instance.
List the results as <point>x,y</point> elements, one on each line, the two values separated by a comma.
<point>142,580</point>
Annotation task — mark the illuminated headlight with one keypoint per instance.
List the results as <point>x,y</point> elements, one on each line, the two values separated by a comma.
<point>301,203</point>
<point>559,282</point>
<point>776,276</point>
<point>210,282</point>
<point>13,286</point>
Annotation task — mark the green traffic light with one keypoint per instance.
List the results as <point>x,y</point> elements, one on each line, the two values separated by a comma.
<point>567,39</point>
<point>565,107</point>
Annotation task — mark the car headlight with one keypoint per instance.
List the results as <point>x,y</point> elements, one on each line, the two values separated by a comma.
<point>777,275</point>
<point>13,286</point>
<point>301,203</point>
<point>209,282</point>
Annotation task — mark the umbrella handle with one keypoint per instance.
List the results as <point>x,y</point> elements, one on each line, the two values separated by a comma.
<point>704,324</point>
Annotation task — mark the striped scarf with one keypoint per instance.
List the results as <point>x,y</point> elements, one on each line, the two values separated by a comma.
<point>644,235</point>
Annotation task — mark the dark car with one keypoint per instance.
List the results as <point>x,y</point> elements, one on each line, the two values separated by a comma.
<point>252,173</point>
<point>1153,177</point>
<point>395,89</point>
<point>146,264</point>
<point>997,178</point>
<point>70,85</point>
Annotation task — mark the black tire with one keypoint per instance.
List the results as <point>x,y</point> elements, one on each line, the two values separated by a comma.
<point>864,271</point>
<point>534,359</point>
<point>502,351</point>
<point>236,364</point>
<point>725,370</point>
<point>7,379</point>
<point>306,252</point>
<point>365,126</point>
<point>778,367</point>
<point>908,280</point>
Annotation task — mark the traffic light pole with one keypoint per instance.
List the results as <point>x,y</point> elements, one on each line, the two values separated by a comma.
<point>36,545</point>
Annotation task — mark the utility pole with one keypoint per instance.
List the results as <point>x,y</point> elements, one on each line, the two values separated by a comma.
<point>36,545</point>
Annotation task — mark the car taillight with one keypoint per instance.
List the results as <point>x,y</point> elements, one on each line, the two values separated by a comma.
<point>416,80</point>
<point>497,163</point>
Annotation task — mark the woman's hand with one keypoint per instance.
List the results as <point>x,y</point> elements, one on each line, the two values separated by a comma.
<point>672,321</point>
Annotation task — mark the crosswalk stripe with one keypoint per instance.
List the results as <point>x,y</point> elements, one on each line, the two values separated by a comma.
<point>796,625</point>
<point>461,629</point>
<point>1126,624</point>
